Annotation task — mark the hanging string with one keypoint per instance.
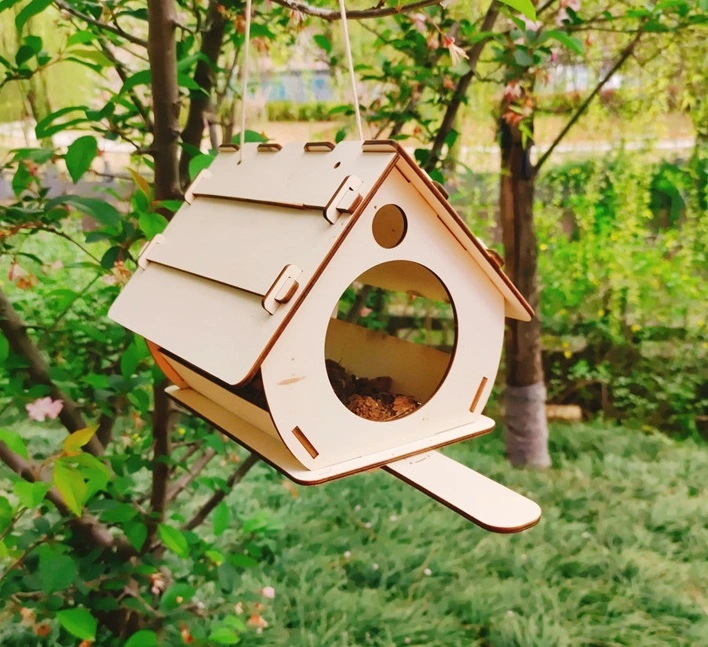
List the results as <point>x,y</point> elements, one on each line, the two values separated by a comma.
<point>350,62</point>
<point>244,75</point>
<point>244,89</point>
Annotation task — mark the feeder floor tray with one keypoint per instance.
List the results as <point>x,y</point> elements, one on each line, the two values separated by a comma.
<point>476,497</point>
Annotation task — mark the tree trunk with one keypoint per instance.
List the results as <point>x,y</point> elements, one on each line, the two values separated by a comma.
<point>162,52</point>
<point>200,104</point>
<point>525,394</point>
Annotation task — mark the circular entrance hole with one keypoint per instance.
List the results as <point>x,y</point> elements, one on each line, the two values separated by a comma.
<point>390,341</point>
<point>389,226</point>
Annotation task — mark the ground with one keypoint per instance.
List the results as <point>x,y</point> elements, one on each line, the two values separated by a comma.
<point>619,557</point>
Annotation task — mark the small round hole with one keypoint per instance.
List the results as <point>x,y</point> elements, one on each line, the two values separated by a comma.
<point>337,165</point>
<point>389,226</point>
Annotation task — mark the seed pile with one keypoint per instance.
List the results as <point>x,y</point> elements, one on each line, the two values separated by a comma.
<point>369,398</point>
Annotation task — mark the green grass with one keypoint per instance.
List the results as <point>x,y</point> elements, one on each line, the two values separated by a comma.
<point>619,557</point>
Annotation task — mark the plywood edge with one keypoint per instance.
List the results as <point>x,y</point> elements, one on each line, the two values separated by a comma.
<point>517,306</point>
<point>275,452</point>
<point>479,499</point>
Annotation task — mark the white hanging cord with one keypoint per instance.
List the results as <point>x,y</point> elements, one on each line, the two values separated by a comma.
<point>350,62</point>
<point>244,75</point>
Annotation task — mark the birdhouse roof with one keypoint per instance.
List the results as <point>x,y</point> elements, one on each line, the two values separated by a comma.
<point>253,236</point>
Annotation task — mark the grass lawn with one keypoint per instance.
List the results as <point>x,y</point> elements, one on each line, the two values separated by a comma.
<point>620,556</point>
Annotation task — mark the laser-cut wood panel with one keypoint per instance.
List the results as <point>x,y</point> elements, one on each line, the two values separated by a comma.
<point>246,278</point>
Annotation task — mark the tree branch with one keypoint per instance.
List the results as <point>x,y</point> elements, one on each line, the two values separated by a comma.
<point>204,76</point>
<point>86,525</point>
<point>186,479</point>
<point>626,53</point>
<point>355,14</point>
<point>473,55</point>
<point>219,496</point>
<point>65,6</point>
<point>161,428</point>
<point>15,331</point>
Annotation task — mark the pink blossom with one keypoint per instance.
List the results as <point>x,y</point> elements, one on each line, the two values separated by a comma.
<point>554,57</point>
<point>512,90</point>
<point>532,25</point>
<point>44,408</point>
<point>433,41</point>
<point>419,22</point>
<point>16,272</point>
<point>268,592</point>
<point>297,17</point>
<point>456,52</point>
<point>365,312</point>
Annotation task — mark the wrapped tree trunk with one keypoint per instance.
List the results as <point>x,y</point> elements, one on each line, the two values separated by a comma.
<point>526,434</point>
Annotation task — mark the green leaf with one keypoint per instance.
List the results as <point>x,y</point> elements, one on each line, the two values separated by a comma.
<point>173,539</point>
<point>139,78</point>
<point>71,486</point>
<point>100,210</point>
<point>4,348</point>
<point>136,533</point>
<point>80,38</point>
<point>198,163</point>
<point>323,42</point>
<point>46,127</point>
<point>152,224</point>
<point>221,518</point>
<point>251,136</point>
<point>117,512</point>
<point>569,41</point>
<point>75,441</point>
<point>524,7</point>
<point>144,638</point>
<point>224,635</point>
<point>56,571</point>
<point>178,594</point>
<point>14,441</point>
<point>78,622</point>
<point>7,513</point>
<point>29,494</point>
<point>523,58</point>
<point>32,9</point>
<point>79,156</point>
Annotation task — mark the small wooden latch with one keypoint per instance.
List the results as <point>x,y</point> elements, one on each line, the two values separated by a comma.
<point>189,193</point>
<point>143,259</point>
<point>345,200</point>
<point>283,289</point>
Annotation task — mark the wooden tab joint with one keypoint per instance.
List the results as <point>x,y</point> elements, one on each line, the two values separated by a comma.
<point>143,257</point>
<point>283,289</point>
<point>345,200</point>
<point>191,191</point>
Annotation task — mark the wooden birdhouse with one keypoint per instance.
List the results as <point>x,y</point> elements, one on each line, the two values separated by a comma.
<point>237,297</point>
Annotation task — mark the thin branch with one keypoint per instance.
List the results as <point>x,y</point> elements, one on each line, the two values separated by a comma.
<point>355,14</point>
<point>86,525</point>
<point>65,6</point>
<point>200,104</point>
<point>186,479</point>
<point>458,96</point>
<point>15,331</point>
<point>626,53</point>
<point>219,496</point>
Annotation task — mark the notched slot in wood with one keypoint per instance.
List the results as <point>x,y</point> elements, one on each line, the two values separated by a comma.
<point>272,147</point>
<point>319,147</point>
<point>304,441</point>
<point>478,395</point>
